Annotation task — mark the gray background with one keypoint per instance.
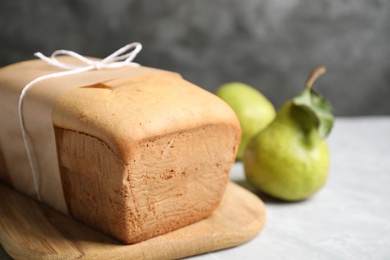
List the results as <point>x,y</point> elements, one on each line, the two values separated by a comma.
<point>270,44</point>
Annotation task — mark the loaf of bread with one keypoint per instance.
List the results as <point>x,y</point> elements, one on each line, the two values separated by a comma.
<point>139,155</point>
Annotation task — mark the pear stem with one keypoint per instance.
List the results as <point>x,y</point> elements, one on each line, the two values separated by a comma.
<point>314,76</point>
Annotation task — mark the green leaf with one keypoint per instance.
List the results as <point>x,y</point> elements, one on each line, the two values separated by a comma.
<point>320,109</point>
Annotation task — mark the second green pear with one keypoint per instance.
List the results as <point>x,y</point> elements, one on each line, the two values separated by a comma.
<point>289,159</point>
<point>253,109</point>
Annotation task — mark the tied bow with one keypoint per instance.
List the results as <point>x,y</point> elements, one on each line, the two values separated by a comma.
<point>115,60</point>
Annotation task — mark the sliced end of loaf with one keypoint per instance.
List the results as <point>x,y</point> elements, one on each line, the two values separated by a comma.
<point>168,181</point>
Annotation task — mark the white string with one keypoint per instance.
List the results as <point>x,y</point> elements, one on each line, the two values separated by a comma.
<point>115,60</point>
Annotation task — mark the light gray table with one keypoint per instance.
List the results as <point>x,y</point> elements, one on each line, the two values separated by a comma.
<point>348,219</point>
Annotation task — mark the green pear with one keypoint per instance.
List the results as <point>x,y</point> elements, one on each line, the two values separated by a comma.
<point>289,159</point>
<point>254,111</point>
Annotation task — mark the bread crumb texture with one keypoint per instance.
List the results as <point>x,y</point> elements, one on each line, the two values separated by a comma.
<point>168,181</point>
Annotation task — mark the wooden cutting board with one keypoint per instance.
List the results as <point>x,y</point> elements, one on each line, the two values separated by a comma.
<point>30,230</point>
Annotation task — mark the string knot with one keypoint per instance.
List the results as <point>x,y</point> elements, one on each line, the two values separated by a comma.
<point>99,65</point>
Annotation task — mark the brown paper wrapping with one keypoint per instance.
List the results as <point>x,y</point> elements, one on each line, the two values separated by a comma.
<point>37,114</point>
